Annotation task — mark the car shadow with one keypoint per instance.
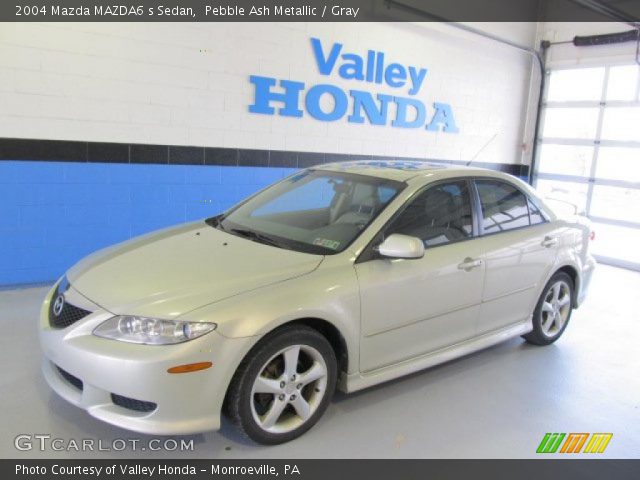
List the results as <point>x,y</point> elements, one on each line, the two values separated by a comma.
<point>465,365</point>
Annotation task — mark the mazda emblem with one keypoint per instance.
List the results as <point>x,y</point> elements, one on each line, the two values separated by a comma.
<point>58,305</point>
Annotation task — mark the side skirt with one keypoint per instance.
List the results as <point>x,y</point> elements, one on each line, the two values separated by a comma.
<point>358,381</point>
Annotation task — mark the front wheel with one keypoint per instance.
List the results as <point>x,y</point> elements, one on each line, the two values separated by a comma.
<point>553,310</point>
<point>283,386</point>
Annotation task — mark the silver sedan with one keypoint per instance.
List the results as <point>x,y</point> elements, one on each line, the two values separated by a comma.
<point>339,276</point>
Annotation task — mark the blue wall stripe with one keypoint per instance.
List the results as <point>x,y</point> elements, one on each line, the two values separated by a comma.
<point>54,213</point>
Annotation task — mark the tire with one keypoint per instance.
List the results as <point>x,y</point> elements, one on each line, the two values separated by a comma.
<point>553,310</point>
<point>266,402</point>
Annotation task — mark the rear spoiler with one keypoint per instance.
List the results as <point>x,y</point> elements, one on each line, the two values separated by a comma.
<point>564,206</point>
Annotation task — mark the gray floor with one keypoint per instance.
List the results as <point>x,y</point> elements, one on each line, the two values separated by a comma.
<point>497,403</point>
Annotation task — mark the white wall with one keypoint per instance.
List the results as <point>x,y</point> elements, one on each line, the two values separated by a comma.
<point>188,84</point>
<point>519,33</point>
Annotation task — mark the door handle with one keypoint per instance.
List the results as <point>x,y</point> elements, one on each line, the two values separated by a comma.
<point>549,241</point>
<point>469,263</point>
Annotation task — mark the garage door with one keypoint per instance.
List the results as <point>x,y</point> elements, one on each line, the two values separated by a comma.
<point>590,153</point>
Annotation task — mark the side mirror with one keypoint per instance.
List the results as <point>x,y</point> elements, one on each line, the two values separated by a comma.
<point>401,246</point>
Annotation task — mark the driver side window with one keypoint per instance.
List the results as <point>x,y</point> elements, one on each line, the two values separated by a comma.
<point>439,215</point>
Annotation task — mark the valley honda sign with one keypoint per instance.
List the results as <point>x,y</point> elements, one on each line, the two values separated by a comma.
<point>288,98</point>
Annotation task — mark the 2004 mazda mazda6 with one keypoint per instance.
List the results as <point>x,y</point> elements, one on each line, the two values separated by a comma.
<point>340,276</point>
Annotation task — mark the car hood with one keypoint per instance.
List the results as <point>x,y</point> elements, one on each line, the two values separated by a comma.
<point>171,272</point>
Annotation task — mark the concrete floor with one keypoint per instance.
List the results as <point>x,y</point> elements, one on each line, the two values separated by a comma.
<point>494,404</point>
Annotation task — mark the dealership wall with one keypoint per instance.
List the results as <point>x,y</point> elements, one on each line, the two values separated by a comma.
<point>112,130</point>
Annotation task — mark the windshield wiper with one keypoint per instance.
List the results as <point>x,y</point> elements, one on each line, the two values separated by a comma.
<point>258,237</point>
<point>215,222</point>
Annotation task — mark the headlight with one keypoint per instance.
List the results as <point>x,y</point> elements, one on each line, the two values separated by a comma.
<point>151,331</point>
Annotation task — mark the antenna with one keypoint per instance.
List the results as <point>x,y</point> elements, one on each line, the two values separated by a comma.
<point>482,148</point>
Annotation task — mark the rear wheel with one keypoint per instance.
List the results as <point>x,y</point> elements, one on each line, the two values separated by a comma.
<point>283,386</point>
<point>553,311</point>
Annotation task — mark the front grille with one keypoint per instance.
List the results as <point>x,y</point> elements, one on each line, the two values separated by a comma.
<point>69,314</point>
<point>75,381</point>
<point>133,404</point>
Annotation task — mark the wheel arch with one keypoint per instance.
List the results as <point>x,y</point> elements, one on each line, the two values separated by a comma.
<point>332,334</point>
<point>327,329</point>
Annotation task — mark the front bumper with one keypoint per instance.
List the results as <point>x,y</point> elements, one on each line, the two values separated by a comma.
<point>186,403</point>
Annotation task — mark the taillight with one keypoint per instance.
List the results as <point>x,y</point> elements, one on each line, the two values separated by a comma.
<point>592,235</point>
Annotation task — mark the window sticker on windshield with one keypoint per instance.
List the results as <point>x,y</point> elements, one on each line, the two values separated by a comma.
<point>325,242</point>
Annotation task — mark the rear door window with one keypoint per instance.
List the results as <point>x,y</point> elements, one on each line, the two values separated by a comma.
<point>535,216</point>
<point>504,207</point>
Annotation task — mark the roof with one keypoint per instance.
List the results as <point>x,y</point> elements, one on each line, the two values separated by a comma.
<point>401,170</point>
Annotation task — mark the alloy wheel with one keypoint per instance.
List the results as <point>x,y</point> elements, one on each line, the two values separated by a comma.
<point>289,388</point>
<point>556,308</point>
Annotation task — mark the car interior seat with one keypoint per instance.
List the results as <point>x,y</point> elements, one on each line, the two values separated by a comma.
<point>364,204</point>
<point>434,217</point>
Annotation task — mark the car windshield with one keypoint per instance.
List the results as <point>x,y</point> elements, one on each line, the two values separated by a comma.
<point>314,211</point>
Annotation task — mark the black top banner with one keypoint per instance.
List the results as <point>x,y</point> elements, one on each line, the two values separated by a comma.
<point>318,10</point>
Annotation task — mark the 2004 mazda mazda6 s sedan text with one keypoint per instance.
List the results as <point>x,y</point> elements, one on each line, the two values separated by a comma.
<point>344,275</point>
